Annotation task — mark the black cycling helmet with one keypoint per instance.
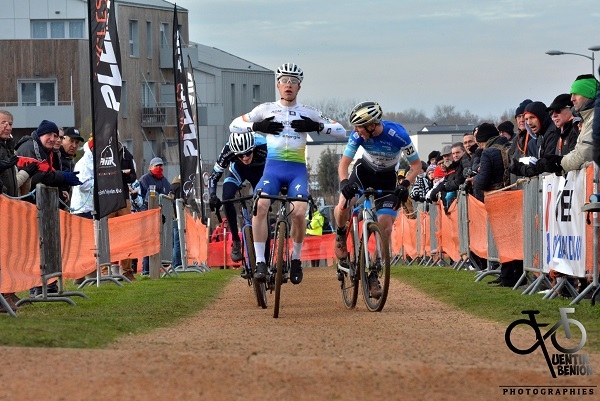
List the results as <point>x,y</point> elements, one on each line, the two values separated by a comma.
<point>365,113</point>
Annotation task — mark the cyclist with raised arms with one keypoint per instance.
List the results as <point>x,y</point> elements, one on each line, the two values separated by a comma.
<point>245,155</point>
<point>383,143</point>
<point>288,122</point>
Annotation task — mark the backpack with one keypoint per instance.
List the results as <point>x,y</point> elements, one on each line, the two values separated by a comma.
<point>506,177</point>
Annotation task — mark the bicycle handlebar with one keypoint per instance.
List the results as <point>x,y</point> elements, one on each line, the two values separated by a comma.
<point>240,199</point>
<point>260,195</point>
<point>367,192</point>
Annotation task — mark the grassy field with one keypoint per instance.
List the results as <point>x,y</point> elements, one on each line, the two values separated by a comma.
<point>113,311</point>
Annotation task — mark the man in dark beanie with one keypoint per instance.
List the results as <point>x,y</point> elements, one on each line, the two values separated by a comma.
<point>543,133</point>
<point>493,175</point>
<point>583,94</point>
<point>38,148</point>
<point>521,145</point>
<point>507,130</point>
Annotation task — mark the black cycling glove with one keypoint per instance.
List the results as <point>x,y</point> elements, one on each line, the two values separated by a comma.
<point>306,125</point>
<point>214,202</point>
<point>268,126</point>
<point>348,189</point>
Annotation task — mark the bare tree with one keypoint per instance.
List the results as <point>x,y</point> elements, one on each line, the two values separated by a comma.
<point>327,175</point>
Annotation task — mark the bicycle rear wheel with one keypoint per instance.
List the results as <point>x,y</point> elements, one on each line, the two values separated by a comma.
<point>260,289</point>
<point>280,244</point>
<point>375,275</point>
<point>349,282</point>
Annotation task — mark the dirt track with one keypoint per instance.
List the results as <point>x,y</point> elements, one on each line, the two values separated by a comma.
<point>416,349</point>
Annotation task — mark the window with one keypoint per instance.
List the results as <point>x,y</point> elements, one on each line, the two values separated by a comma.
<point>165,36</point>
<point>57,29</point>
<point>37,93</point>
<point>149,39</point>
<point>134,39</point>
<point>123,107</point>
<point>148,96</point>
<point>256,93</point>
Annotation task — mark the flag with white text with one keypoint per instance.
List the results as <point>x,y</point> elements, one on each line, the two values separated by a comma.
<point>105,65</point>
<point>186,127</point>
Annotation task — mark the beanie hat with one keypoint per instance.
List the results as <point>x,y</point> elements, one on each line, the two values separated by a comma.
<point>431,167</point>
<point>507,127</point>
<point>585,85</point>
<point>486,131</point>
<point>560,102</point>
<point>438,172</point>
<point>433,154</point>
<point>521,107</point>
<point>46,127</point>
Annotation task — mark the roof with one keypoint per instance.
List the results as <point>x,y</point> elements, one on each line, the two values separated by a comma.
<point>316,139</point>
<point>445,129</point>
<point>223,60</point>
<point>163,4</point>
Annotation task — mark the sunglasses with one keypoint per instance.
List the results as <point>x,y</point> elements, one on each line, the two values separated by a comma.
<point>247,154</point>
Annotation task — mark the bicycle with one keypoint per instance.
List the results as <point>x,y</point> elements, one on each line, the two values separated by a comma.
<point>278,266</point>
<point>249,256</point>
<point>564,321</point>
<point>373,261</point>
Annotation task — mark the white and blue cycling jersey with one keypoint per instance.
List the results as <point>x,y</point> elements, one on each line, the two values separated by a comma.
<point>288,145</point>
<point>382,152</point>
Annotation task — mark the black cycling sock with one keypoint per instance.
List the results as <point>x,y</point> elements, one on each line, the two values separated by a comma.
<point>341,231</point>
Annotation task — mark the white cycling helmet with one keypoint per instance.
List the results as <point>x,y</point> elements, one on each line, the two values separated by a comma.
<point>241,143</point>
<point>366,113</point>
<point>290,70</point>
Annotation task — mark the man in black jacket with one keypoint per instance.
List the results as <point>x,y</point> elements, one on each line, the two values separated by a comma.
<point>492,175</point>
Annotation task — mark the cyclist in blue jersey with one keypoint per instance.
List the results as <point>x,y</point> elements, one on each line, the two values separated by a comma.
<point>245,155</point>
<point>383,143</point>
<point>288,122</point>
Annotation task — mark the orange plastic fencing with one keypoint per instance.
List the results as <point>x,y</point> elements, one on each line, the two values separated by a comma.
<point>196,239</point>
<point>425,222</point>
<point>134,235</point>
<point>409,236</point>
<point>449,225</point>
<point>478,237</point>
<point>505,213</point>
<point>19,249</point>
<point>318,247</point>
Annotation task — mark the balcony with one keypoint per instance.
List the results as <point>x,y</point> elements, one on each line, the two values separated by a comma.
<point>62,114</point>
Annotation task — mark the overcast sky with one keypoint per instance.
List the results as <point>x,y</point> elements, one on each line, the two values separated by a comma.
<point>477,55</point>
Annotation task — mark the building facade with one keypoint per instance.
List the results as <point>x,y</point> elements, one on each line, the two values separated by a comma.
<point>48,76</point>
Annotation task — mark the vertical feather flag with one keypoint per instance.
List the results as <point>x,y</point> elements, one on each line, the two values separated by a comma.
<point>186,127</point>
<point>105,65</point>
<point>198,184</point>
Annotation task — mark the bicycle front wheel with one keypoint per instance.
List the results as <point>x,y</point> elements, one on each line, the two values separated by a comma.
<point>280,245</point>
<point>349,280</point>
<point>260,288</point>
<point>374,267</point>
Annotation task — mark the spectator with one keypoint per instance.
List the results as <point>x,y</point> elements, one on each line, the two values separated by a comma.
<point>507,130</point>
<point>438,178</point>
<point>543,133</point>
<point>469,143</point>
<point>432,157</point>
<point>38,148</point>
<point>568,130</point>
<point>439,191</point>
<point>68,143</point>
<point>220,232</point>
<point>520,145</point>
<point>583,93</point>
<point>128,175</point>
<point>10,178</point>
<point>177,193</point>
<point>82,198</point>
<point>315,228</point>
<point>493,174</point>
<point>423,183</point>
<point>461,164</point>
<point>160,186</point>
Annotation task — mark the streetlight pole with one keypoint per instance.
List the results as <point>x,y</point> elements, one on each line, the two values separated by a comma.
<point>593,49</point>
